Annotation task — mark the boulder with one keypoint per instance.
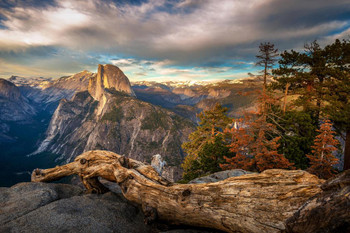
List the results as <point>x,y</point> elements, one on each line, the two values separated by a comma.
<point>41,207</point>
<point>45,207</point>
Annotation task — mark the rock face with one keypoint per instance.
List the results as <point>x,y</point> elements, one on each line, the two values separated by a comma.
<point>126,126</point>
<point>109,117</point>
<point>9,90</point>
<point>328,211</point>
<point>40,207</point>
<point>107,77</point>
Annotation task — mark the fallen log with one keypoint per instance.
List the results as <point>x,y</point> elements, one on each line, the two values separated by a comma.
<point>328,211</point>
<point>249,203</point>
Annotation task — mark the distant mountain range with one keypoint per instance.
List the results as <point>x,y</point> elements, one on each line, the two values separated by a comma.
<point>55,120</point>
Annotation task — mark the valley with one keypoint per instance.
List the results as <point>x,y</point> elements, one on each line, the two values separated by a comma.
<point>59,119</point>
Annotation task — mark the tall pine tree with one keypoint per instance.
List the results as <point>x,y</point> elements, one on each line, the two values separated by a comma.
<point>321,79</point>
<point>210,131</point>
<point>337,92</point>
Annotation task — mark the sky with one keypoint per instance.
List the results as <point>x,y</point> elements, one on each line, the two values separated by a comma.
<point>159,40</point>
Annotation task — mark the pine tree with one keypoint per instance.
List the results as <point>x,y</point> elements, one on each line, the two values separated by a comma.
<point>298,133</point>
<point>208,160</point>
<point>212,125</point>
<point>321,79</point>
<point>239,146</point>
<point>254,146</point>
<point>264,148</point>
<point>266,58</point>
<point>337,92</point>
<point>322,158</point>
<point>305,74</point>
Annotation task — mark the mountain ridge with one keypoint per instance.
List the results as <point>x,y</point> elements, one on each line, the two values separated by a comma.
<point>115,120</point>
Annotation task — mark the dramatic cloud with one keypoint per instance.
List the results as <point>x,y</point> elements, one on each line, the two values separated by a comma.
<point>184,37</point>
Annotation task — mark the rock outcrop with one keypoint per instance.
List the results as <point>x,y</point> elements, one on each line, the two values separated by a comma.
<point>107,77</point>
<point>108,116</point>
<point>56,208</point>
<point>40,207</point>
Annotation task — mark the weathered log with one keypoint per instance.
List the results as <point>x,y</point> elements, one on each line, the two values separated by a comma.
<point>328,211</point>
<point>249,203</point>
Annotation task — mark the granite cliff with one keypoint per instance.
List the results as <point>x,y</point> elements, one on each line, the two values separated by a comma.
<point>108,116</point>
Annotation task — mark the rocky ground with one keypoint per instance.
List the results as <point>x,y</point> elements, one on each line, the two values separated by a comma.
<point>49,207</point>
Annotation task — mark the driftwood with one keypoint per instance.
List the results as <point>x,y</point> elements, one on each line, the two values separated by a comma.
<point>249,203</point>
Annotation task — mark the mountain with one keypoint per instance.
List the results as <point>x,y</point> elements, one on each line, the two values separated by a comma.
<point>109,76</point>
<point>14,107</point>
<point>189,98</point>
<point>46,93</point>
<point>58,118</point>
<point>109,116</point>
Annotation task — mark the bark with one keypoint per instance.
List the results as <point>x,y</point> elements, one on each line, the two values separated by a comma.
<point>285,98</point>
<point>328,211</point>
<point>249,203</point>
<point>347,150</point>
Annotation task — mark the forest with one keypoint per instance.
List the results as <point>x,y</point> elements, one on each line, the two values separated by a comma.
<point>301,118</point>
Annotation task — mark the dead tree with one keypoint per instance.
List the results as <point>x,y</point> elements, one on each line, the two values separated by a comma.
<point>249,203</point>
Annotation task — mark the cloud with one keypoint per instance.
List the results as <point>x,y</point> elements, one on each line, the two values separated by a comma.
<point>45,61</point>
<point>189,33</point>
<point>165,70</point>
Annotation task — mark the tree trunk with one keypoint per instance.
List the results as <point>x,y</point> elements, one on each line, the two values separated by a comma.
<point>285,98</point>
<point>347,150</point>
<point>328,211</point>
<point>248,203</point>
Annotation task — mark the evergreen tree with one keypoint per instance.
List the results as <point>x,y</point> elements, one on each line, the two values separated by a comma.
<point>322,158</point>
<point>253,149</point>
<point>298,132</point>
<point>305,74</point>
<point>266,58</point>
<point>337,92</point>
<point>321,79</point>
<point>254,146</point>
<point>239,146</point>
<point>208,160</point>
<point>211,127</point>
